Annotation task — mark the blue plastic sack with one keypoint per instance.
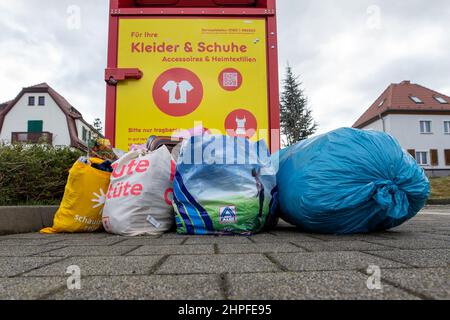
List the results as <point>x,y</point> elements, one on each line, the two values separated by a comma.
<point>349,181</point>
<point>223,185</point>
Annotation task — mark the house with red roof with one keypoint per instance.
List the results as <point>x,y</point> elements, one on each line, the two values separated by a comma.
<point>420,120</point>
<point>40,114</point>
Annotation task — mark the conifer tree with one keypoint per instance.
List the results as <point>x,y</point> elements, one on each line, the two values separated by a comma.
<point>297,122</point>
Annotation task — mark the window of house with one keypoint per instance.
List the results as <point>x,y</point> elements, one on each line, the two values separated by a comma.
<point>434,157</point>
<point>89,136</point>
<point>447,157</point>
<point>425,127</point>
<point>416,99</point>
<point>41,101</point>
<point>441,100</point>
<point>447,127</point>
<point>422,158</point>
<point>84,135</point>
<point>31,101</point>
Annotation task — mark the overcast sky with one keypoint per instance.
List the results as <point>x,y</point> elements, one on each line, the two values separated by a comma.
<point>345,52</point>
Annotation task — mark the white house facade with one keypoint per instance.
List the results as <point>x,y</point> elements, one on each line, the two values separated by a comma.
<point>419,118</point>
<point>39,114</point>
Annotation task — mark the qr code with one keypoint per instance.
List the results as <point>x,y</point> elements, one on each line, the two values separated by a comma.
<point>230,79</point>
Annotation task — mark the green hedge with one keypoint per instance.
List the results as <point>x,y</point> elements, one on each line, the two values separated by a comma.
<point>34,174</point>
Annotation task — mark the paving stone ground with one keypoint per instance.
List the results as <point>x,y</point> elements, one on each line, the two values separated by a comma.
<point>413,259</point>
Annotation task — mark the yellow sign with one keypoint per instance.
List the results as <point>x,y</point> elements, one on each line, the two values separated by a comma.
<point>212,71</point>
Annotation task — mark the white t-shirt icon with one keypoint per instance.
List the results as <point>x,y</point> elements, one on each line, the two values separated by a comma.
<point>182,87</point>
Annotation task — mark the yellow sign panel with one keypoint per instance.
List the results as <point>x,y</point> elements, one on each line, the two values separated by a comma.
<point>212,71</point>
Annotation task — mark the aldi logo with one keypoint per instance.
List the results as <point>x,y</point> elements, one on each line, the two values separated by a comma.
<point>228,215</point>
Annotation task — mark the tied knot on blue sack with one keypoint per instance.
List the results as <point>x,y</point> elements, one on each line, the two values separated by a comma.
<point>391,199</point>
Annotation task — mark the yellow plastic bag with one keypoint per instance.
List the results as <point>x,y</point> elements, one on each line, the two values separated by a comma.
<point>83,201</point>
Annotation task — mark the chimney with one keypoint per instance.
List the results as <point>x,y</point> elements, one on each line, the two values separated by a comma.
<point>406,82</point>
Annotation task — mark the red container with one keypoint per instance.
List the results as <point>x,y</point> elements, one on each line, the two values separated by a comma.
<point>121,75</point>
<point>195,3</point>
<point>148,3</point>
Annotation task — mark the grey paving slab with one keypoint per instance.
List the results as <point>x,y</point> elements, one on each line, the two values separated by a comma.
<point>420,227</point>
<point>352,237</point>
<point>156,287</point>
<point>23,251</point>
<point>144,237</point>
<point>418,258</point>
<point>216,240</point>
<point>428,222</point>
<point>29,289</point>
<point>429,283</point>
<point>414,243</point>
<point>149,241</point>
<point>281,264</point>
<point>90,251</point>
<point>440,211</point>
<point>172,250</point>
<point>440,232</point>
<point>223,263</point>
<point>340,285</point>
<point>398,235</point>
<point>29,242</point>
<point>31,236</point>
<point>280,237</point>
<point>353,245</point>
<point>172,235</point>
<point>13,266</point>
<point>418,224</point>
<point>444,208</point>
<point>100,266</point>
<point>107,241</point>
<point>37,235</point>
<point>415,230</point>
<point>284,228</point>
<point>97,237</point>
<point>274,247</point>
<point>325,261</point>
<point>434,236</point>
<point>293,234</point>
